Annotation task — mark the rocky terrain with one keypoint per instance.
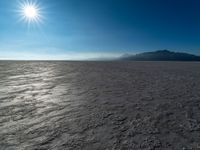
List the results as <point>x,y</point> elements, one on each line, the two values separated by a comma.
<point>99,105</point>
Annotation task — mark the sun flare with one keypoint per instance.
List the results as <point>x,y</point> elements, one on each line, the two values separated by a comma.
<point>30,12</point>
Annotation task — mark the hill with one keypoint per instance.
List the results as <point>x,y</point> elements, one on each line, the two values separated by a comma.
<point>162,55</point>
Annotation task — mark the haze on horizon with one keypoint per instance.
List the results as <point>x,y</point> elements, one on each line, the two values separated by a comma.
<point>77,29</point>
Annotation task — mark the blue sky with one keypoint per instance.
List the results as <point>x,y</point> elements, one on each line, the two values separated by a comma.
<point>77,29</point>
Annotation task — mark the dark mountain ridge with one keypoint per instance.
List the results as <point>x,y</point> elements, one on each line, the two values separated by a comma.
<point>162,55</point>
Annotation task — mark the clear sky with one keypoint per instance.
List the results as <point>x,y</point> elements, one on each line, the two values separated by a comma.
<point>81,29</point>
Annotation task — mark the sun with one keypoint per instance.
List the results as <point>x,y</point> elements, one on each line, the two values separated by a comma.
<point>30,12</point>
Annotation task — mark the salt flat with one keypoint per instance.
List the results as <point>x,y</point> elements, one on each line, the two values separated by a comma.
<point>99,105</point>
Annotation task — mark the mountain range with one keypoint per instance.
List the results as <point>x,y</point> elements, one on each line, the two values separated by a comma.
<point>161,55</point>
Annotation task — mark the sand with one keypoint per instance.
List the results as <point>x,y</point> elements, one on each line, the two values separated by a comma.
<point>99,105</point>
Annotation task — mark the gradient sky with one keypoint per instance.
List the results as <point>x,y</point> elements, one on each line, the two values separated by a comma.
<point>81,29</point>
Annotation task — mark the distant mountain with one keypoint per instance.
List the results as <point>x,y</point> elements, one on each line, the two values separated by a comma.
<point>161,55</point>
